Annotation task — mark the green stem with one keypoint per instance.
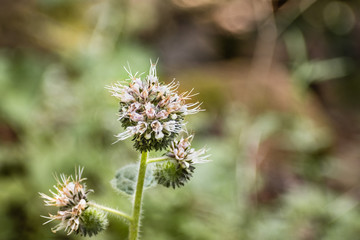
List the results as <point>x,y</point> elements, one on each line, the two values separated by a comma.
<point>111,210</point>
<point>159,159</point>
<point>135,223</point>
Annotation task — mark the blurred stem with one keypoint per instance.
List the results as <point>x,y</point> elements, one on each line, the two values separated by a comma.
<point>304,5</point>
<point>264,48</point>
<point>111,210</point>
<point>159,159</point>
<point>135,223</point>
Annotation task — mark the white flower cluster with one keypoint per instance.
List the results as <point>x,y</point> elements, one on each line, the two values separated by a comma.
<point>186,156</point>
<point>71,198</point>
<point>150,110</point>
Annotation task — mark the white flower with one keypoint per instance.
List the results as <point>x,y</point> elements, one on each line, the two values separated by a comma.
<point>130,131</point>
<point>185,143</point>
<point>125,95</point>
<point>187,108</point>
<point>157,128</point>
<point>136,85</point>
<point>159,135</point>
<point>198,156</point>
<point>185,155</point>
<point>71,198</point>
<point>162,114</point>
<point>68,191</point>
<point>164,101</point>
<point>151,102</point>
<point>179,153</point>
<point>136,117</point>
<point>172,126</point>
<point>148,136</point>
<point>144,94</point>
<point>152,78</point>
<point>141,127</point>
<point>149,110</point>
<point>133,107</point>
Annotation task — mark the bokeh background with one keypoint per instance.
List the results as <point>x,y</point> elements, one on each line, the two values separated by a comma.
<point>279,81</point>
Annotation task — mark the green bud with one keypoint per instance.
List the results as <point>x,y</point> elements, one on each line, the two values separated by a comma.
<point>170,174</point>
<point>92,221</point>
<point>142,144</point>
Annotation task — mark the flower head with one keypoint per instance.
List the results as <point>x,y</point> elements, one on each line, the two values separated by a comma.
<point>182,152</point>
<point>71,198</point>
<point>69,191</point>
<point>151,112</point>
<point>183,158</point>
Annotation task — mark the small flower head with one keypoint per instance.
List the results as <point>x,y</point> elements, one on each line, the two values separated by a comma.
<point>70,196</point>
<point>179,170</point>
<point>69,192</point>
<point>152,113</point>
<point>182,152</point>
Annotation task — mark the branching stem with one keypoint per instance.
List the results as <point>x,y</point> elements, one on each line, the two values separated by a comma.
<point>111,210</point>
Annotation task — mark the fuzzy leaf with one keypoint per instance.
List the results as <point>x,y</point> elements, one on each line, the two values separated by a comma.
<point>126,177</point>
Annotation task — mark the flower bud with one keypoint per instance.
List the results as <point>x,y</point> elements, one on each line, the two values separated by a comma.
<point>170,174</point>
<point>92,221</point>
<point>71,199</point>
<point>177,171</point>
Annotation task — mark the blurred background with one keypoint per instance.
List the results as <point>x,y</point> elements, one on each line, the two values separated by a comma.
<point>279,82</point>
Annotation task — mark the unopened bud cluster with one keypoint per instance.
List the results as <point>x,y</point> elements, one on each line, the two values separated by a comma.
<point>178,171</point>
<point>71,199</point>
<point>152,113</point>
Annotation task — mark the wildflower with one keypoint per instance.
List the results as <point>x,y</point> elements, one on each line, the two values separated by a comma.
<point>69,191</point>
<point>71,199</point>
<point>152,113</point>
<point>182,152</point>
<point>179,170</point>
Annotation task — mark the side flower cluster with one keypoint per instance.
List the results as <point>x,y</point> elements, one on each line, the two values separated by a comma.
<point>152,113</point>
<point>71,199</point>
<point>179,169</point>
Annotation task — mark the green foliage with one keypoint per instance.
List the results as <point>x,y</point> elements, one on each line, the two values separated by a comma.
<point>310,213</point>
<point>126,177</point>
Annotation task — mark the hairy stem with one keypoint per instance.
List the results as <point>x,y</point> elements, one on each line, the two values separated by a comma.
<point>159,159</point>
<point>135,223</point>
<point>111,210</point>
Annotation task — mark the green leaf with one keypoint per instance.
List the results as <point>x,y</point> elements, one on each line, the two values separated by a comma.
<point>126,177</point>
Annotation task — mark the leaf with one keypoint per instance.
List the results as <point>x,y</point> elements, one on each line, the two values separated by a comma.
<point>126,178</point>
